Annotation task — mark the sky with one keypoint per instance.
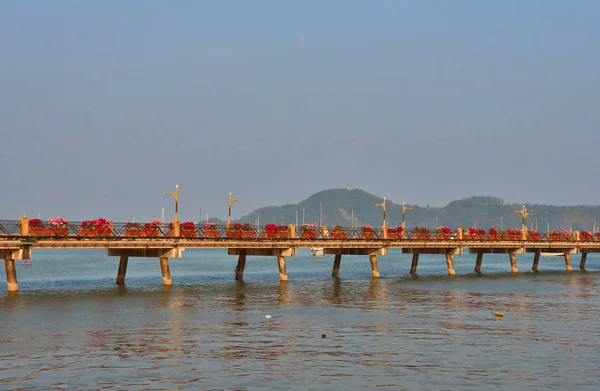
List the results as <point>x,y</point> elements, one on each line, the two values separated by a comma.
<point>106,105</point>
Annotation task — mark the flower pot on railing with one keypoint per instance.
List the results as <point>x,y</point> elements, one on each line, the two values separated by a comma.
<point>248,231</point>
<point>421,233</point>
<point>211,230</point>
<point>443,233</point>
<point>533,235</point>
<point>366,232</point>
<point>56,231</point>
<point>307,231</point>
<point>513,234</point>
<point>586,236</point>
<point>338,232</point>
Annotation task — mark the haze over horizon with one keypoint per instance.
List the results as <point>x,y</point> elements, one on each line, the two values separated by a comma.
<point>105,106</point>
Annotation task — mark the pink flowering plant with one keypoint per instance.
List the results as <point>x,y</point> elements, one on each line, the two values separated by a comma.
<point>58,222</point>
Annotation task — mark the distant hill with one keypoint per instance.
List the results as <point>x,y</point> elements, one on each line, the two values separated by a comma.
<point>340,205</point>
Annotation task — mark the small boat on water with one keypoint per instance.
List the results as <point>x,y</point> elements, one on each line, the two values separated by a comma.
<point>316,251</point>
<point>551,254</point>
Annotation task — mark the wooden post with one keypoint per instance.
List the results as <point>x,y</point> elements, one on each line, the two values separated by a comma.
<point>374,266</point>
<point>292,229</point>
<point>583,259</point>
<point>239,269</point>
<point>415,262</point>
<point>24,226</point>
<point>123,269</point>
<point>323,231</point>
<point>568,262</point>
<point>166,273</point>
<point>11,275</point>
<point>450,264</point>
<point>478,262</point>
<point>536,261</point>
<point>336,266</point>
<point>513,263</point>
<point>459,234</point>
<point>176,228</point>
<point>282,270</point>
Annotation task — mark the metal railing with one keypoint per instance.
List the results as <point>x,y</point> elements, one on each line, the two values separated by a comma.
<point>188,231</point>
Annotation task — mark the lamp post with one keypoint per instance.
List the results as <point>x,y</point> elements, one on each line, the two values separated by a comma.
<point>404,209</point>
<point>384,227</point>
<point>231,201</point>
<point>524,214</point>
<point>176,220</point>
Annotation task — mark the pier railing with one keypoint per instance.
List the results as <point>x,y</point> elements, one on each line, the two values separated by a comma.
<point>101,229</point>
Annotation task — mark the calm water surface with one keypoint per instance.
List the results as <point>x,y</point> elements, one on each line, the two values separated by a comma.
<point>70,327</point>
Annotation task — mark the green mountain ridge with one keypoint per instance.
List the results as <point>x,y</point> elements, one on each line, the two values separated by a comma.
<point>348,207</point>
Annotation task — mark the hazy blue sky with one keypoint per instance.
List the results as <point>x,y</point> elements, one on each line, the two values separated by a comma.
<point>106,105</point>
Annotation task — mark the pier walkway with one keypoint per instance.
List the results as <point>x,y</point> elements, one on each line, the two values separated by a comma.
<point>19,238</point>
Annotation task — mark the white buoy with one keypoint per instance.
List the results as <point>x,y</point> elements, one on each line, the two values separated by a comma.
<point>268,316</point>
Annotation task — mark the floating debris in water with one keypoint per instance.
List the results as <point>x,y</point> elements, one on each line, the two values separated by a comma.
<point>498,313</point>
<point>323,335</point>
<point>268,316</point>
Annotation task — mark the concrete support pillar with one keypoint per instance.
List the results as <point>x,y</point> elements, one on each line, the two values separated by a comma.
<point>415,262</point>
<point>536,261</point>
<point>450,264</point>
<point>123,269</point>
<point>11,275</point>
<point>568,262</point>
<point>239,269</point>
<point>282,270</point>
<point>166,273</point>
<point>374,266</point>
<point>513,263</point>
<point>583,259</point>
<point>478,262</point>
<point>336,266</point>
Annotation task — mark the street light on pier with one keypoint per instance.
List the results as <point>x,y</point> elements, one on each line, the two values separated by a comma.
<point>384,227</point>
<point>404,209</point>
<point>524,214</point>
<point>176,220</point>
<point>231,201</point>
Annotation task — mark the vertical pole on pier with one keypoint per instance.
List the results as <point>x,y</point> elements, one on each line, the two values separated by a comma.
<point>374,266</point>
<point>415,262</point>
<point>24,226</point>
<point>568,262</point>
<point>450,264</point>
<point>513,262</point>
<point>11,275</point>
<point>292,229</point>
<point>122,269</point>
<point>282,270</point>
<point>336,265</point>
<point>583,259</point>
<point>166,273</point>
<point>536,261</point>
<point>478,262</point>
<point>239,269</point>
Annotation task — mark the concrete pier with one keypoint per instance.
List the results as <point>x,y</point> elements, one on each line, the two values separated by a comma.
<point>536,261</point>
<point>239,269</point>
<point>11,275</point>
<point>414,263</point>
<point>374,266</point>
<point>282,269</point>
<point>166,273</point>
<point>336,265</point>
<point>450,264</point>
<point>568,262</point>
<point>583,259</point>
<point>513,262</point>
<point>478,262</point>
<point>122,269</point>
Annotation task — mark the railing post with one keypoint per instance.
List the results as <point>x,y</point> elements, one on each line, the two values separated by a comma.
<point>24,226</point>
<point>459,233</point>
<point>323,231</point>
<point>524,234</point>
<point>176,228</point>
<point>292,229</point>
<point>576,236</point>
